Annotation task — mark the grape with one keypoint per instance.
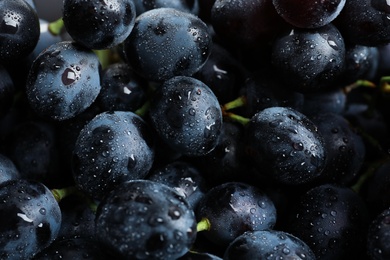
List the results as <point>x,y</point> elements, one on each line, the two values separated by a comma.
<point>186,115</point>
<point>63,81</point>
<point>309,14</point>
<point>30,219</point>
<point>112,148</point>
<point>191,6</point>
<point>365,22</point>
<point>309,60</point>
<point>265,244</point>
<point>19,30</point>
<point>233,208</point>
<point>152,221</point>
<point>286,145</point>
<point>166,42</point>
<point>99,24</point>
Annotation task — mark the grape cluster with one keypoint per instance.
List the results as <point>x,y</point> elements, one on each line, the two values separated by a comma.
<point>195,129</point>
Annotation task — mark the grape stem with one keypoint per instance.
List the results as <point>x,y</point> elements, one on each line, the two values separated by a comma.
<point>56,26</point>
<point>238,102</point>
<point>60,194</point>
<point>203,225</point>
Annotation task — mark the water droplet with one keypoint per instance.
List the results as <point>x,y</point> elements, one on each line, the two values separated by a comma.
<point>42,211</point>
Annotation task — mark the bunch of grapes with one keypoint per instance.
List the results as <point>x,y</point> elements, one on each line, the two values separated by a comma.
<point>202,129</point>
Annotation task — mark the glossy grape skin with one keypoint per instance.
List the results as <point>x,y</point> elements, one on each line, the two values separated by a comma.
<point>184,178</point>
<point>32,146</point>
<point>166,42</point>
<point>223,74</point>
<point>245,23</point>
<point>361,62</point>
<point>309,60</point>
<point>152,222</point>
<point>63,81</point>
<point>285,145</point>
<point>308,14</point>
<point>121,89</point>
<point>345,149</point>
<point>332,221</point>
<point>378,237</point>
<point>365,22</point>
<point>19,30</point>
<point>186,115</point>
<point>190,6</point>
<point>268,244</point>
<point>233,208</point>
<point>112,148</point>
<point>30,219</point>
<point>99,24</point>
<point>332,101</point>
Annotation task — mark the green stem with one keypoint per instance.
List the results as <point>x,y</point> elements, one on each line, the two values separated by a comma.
<point>366,175</point>
<point>144,109</point>
<point>56,27</point>
<point>104,57</point>
<point>236,118</point>
<point>203,225</point>
<point>238,102</point>
<point>60,194</point>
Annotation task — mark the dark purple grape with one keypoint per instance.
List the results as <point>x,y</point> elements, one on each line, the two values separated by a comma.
<point>378,237</point>
<point>19,30</point>
<point>99,24</point>
<point>285,145</point>
<point>365,22</point>
<point>146,220</point>
<point>191,255</point>
<point>227,161</point>
<point>344,146</point>
<point>184,178</point>
<point>263,90</point>
<point>63,81</point>
<point>78,218</point>
<point>307,13</point>
<point>268,244</point>
<point>30,219</point>
<point>361,62</point>
<point>309,60</point>
<point>186,115</point>
<point>223,74</point>
<point>121,89</point>
<point>331,101</point>
<point>245,23</point>
<point>33,149</point>
<point>166,42</point>
<point>332,221</point>
<point>112,148</point>
<point>190,6</point>
<point>233,208</point>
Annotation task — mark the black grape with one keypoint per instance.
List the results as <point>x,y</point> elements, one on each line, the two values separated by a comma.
<point>268,244</point>
<point>307,13</point>
<point>233,208</point>
<point>19,30</point>
<point>332,220</point>
<point>186,115</point>
<point>309,59</point>
<point>166,42</point>
<point>63,81</point>
<point>145,219</point>
<point>112,148</point>
<point>99,24</point>
<point>378,238</point>
<point>30,219</point>
<point>190,6</point>
<point>285,145</point>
